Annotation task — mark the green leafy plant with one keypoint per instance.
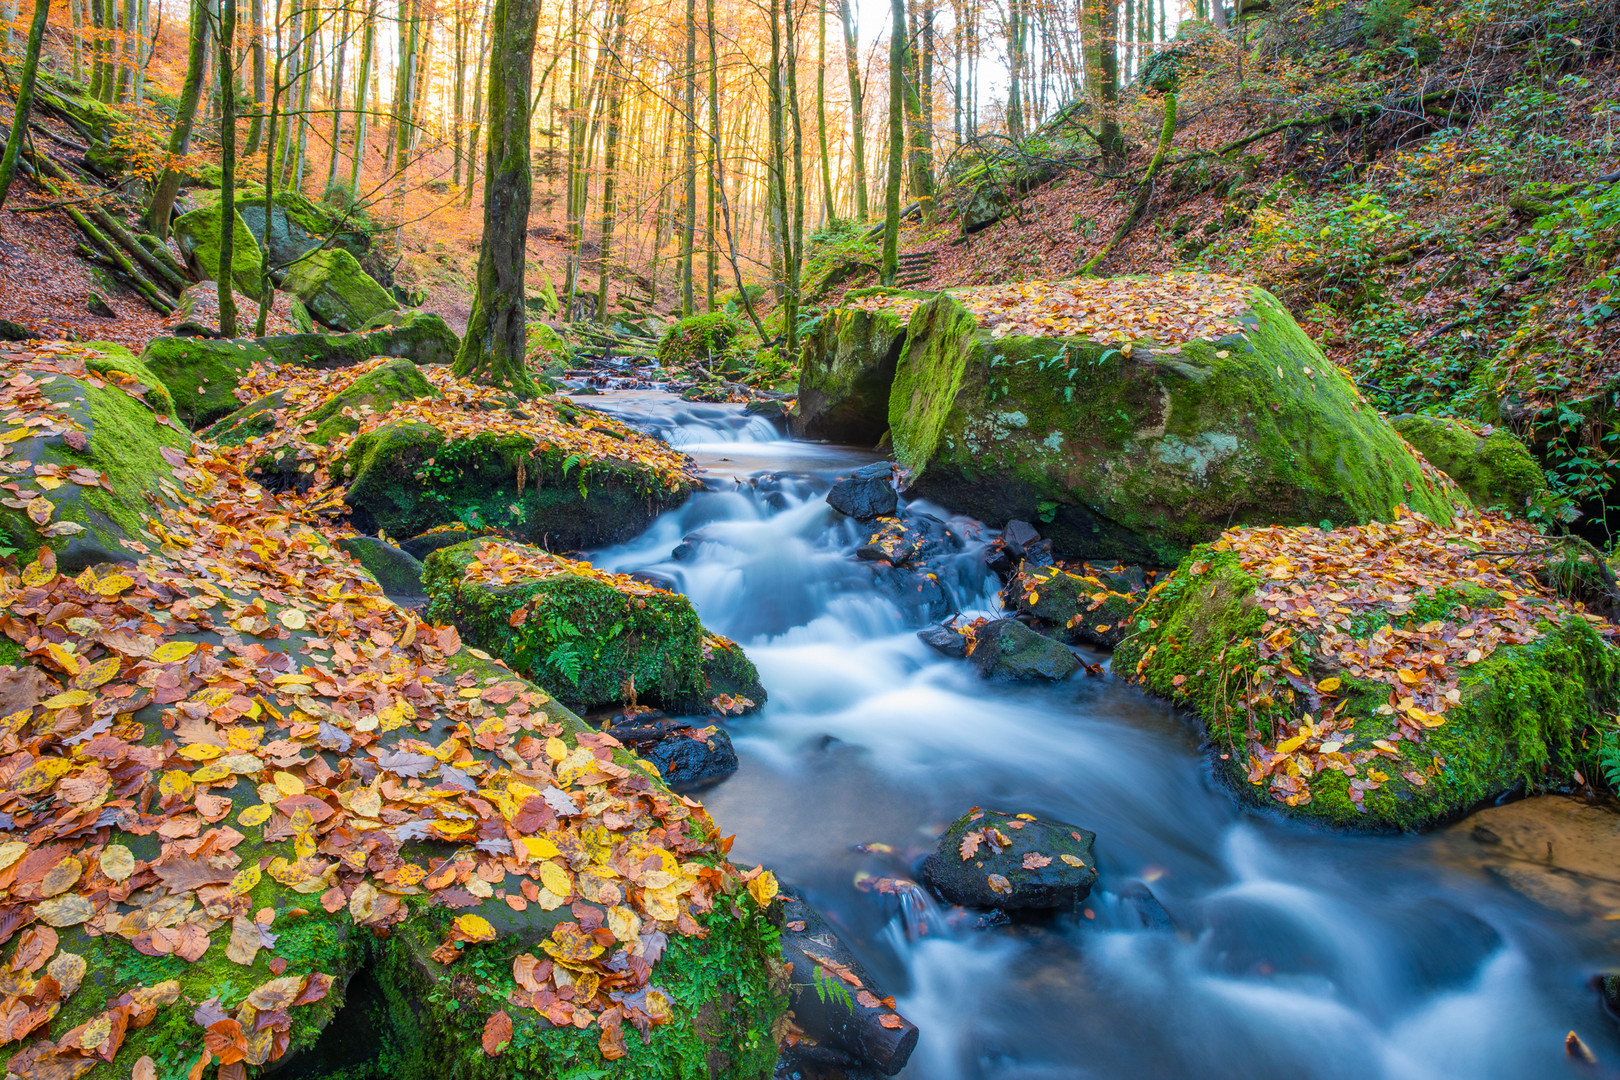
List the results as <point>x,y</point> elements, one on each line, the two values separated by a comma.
<point>831,988</point>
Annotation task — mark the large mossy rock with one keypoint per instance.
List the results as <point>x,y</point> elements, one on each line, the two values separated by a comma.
<point>199,233</point>
<point>407,477</point>
<point>1492,466</point>
<point>298,225</point>
<point>593,639</point>
<point>317,420</point>
<point>1139,457</point>
<point>847,370</point>
<point>94,468</point>
<point>1383,678</point>
<point>201,374</point>
<point>419,336</point>
<point>289,800</point>
<point>337,292</point>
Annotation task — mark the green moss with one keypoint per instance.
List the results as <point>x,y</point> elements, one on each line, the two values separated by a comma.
<point>1496,470</point>
<point>338,293</point>
<point>124,440</point>
<point>585,641</point>
<point>200,232</point>
<point>111,357</point>
<point>10,652</point>
<point>376,392</point>
<point>407,478</point>
<point>1521,710</point>
<point>847,370</point>
<point>201,374</point>
<point>1144,456</point>
<point>704,339</point>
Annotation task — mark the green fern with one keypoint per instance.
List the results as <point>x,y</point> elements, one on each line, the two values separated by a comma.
<point>828,986</point>
<point>1609,756</point>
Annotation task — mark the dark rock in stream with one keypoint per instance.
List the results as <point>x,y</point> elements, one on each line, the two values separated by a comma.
<point>836,1002</point>
<point>1007,649</point>
<point>687,757</point>
<point>989,859</point>
<point>1609,987</point>
<point>865,494</point>
<point>946,639</point>
<point>398,572</point>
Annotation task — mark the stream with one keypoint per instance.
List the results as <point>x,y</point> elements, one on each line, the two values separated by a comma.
<point>1292,952</point>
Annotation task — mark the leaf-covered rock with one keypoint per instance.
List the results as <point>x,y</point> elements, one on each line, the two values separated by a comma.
<point>1012,861</point>
<point>592,638</point>
<point>1136,418</point>
<point>85,451</point>
<point>202,374</point>
<point>1381,677</point>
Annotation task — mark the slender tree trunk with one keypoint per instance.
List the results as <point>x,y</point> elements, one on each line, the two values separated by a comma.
<point>227,169</point>
<point>256,46</point>
<point>306,93</point>
<point>76,39</point>
<point>610,161</point>
<point>493,349</point>
<point>795,249</point>
<point>689,208</point>
<point>897,141</point>
<point>362,103</point>
<point>335,96</point>
<point>477,111</point>
<point>25,97</point>
<point>168,186</point>
<point>459,31</point>
<point>1111,138</point>
<point>828,205</point>
<point>852,69</point>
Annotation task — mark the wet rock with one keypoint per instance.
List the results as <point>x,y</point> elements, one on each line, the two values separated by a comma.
<point>1080,603</point>
<point>1013,862</point>
<point>866,494</point>
<point>398,572</point>
<point>1007,649</point>
<point>13,331</point>
<point>769,409</point>
<point>99,307</point>
<point>904,541</point>
<point>687,757</point>
<point>424,544</point>
<point>846,372</point>
<point>1489,463</point>
<point>946,639</point>
<point>1552,849</point>
<point>1609,987</point>
<point>1138,905</point>
<point>836,1002</point>
<point>1017,536</point>
<point>916,591</point>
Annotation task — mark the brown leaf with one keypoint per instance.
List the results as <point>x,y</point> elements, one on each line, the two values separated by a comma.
<point>497,1033</point>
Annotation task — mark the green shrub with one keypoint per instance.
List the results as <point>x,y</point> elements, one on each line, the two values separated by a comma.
<point>705,338</point>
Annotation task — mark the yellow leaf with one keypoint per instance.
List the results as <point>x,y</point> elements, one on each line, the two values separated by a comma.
<point>170,651</point>
<point>37,573</point>
<point>763,889</point>
<point>1288,746</point>
<point>245,879</point>
<point>211,773</point>
<point>556,879</point>
<point>177,783</point>
<point>200,751</point>
<point>254,815</point>
<point>475,928</point>
<point>68,698</point>
<point>1409,677</point>
<point>1327,686</point>
<point>288,784</point>
<point>98,673</point>
<point>113,584</point>
<point>293,619</point>
<point>117,862</point>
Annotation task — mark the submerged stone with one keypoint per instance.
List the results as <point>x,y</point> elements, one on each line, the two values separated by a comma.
<point>866,494</point>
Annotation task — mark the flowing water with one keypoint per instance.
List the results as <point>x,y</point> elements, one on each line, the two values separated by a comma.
<point>1290,953</point>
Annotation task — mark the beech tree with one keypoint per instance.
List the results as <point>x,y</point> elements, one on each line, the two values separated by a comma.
<point>25,97</point>
<point>493,350</point>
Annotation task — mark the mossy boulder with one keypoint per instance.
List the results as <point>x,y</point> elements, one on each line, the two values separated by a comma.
<point>1007,649</point>
<point>846,371</point>
<point>592,639</point>
<point>1518,715</point>
<point>1492,466</point>
<point>99,427</point>
<point>1079,604</point>
<point>298,225</point>
<point>1141,456</point>
<point>408,476</point>
<point>703,339</point>
<point>199,233</point>
<point>337,292</point>
<point>118,364</point>
<point>418,336</point>
<point>201,374</point>
<point>397,572</point>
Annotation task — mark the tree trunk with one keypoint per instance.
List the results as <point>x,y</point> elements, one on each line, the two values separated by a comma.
<point>493,349</point>
<point>256,125</point>
<point>363,104</point>
<point>610,157</point>
<point>25,97</point>
<point>852,68</point>
<point>689,210</point>
<point>795,247</point>
<point>828,207</point>
<point>1111,138</point>
<point>168,186</point>
<point>459,30</point>
<point>897,139</point>
<point>227,169</point>
<point>335,97</point>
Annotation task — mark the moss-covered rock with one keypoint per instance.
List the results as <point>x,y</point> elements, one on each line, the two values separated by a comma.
<point>117,363</point>
<point>201,374</point>
<point>407,477</point>
<point>397,572</point>
<point>1493,467</point>
<point>1007,649</point>
<point>199,233</point>
<point>704,339</point>
<point>98,427</point>
<point>592,639</point>
<point>418,336</point>
<point>1141,456</point>
<point>846,371</point>
<point>298,225</point>
<point>338,293</point>
<point>1078,604</point>
<point>1514,719</point>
